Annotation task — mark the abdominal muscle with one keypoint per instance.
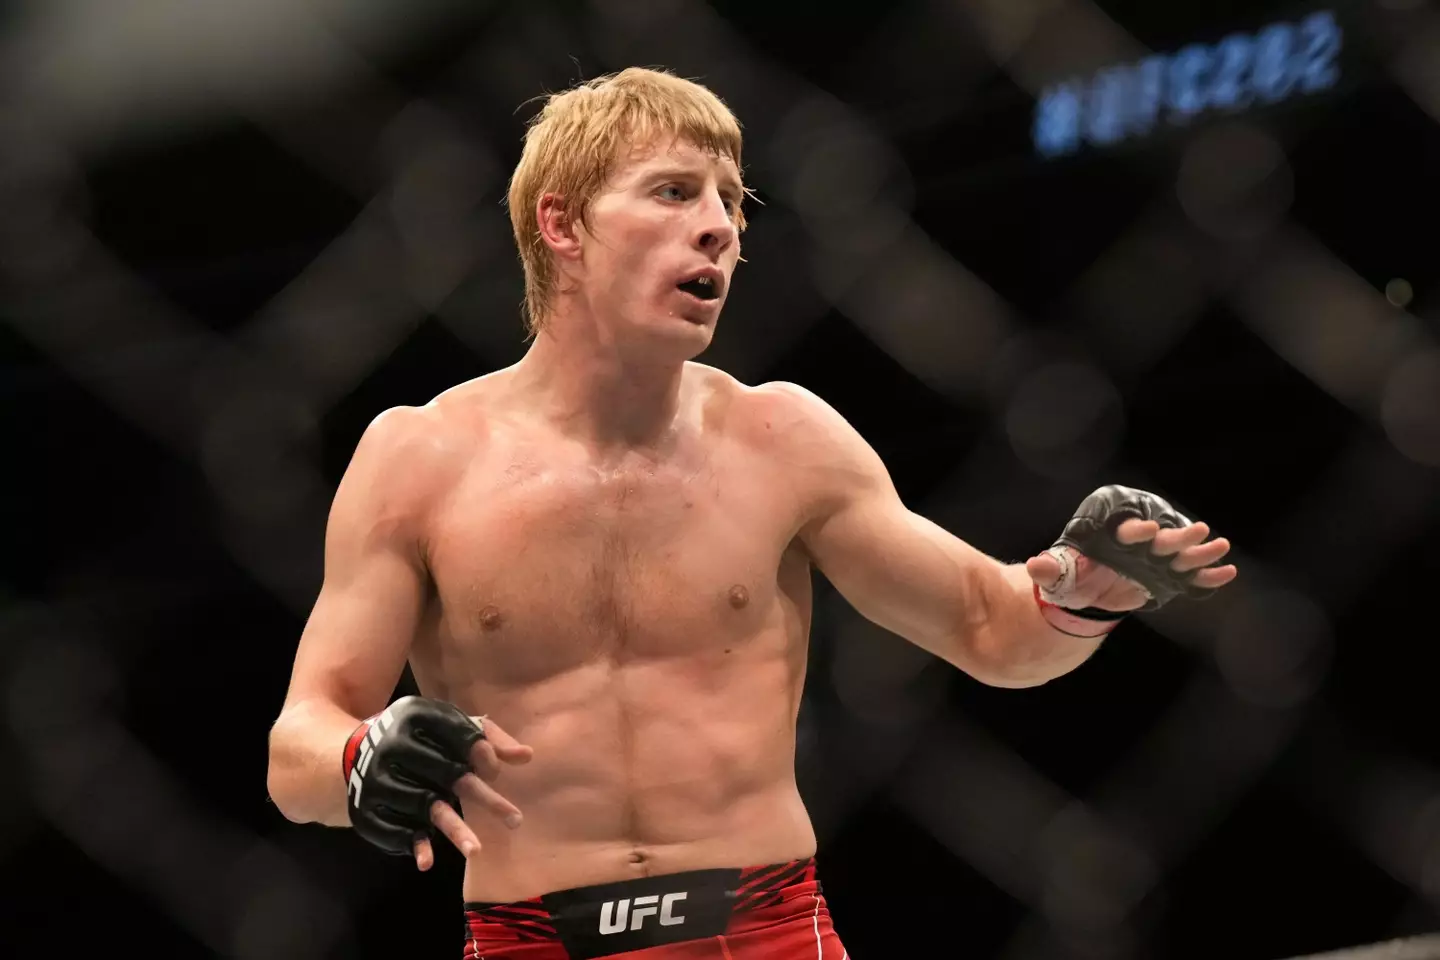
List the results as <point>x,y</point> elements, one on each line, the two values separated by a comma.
<point>649,767</point>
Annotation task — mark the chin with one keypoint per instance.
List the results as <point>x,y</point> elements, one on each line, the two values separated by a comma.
<point>684,334</point>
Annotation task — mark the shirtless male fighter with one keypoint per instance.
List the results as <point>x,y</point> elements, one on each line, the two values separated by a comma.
<point>597,562</point>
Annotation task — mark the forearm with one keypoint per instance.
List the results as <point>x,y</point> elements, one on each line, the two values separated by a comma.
<point>305,779</point>
<point>1012,644</point>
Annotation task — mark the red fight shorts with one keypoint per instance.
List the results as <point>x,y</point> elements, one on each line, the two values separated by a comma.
<point>774,912</point>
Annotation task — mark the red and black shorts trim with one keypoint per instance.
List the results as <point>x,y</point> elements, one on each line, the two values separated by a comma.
<point>775,910</point>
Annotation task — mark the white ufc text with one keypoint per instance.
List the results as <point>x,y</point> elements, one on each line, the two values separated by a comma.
<point>613,913</point>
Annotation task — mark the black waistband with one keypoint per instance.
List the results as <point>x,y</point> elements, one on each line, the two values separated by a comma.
<point>607,918</point>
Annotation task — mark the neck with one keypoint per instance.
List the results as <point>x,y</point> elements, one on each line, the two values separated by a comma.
<point>597,391</point>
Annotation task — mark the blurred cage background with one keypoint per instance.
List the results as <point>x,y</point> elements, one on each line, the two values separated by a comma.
<point>1026,246</point>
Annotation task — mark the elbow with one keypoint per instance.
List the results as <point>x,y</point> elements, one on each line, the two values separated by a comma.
<point>991,658</point>
<point>1004,643</point>
<point>275,786</point>
<point>998,661</point>
<point>280,778</point>
<point>1005,675</point>
<point>1013,681</point>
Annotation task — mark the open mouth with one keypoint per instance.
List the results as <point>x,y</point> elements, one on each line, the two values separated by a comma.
<point>701,288</point>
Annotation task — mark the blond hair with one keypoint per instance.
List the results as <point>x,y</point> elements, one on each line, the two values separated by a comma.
<point>574,143</point>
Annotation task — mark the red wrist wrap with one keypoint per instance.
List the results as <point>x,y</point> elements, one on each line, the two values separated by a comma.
<point>352,753</point>
<point>1068,623</point>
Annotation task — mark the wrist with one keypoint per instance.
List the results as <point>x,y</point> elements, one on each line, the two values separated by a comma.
<point>1089,624</point>
<point>359,748</point>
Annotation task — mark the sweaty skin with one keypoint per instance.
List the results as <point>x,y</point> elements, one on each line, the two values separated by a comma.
<point>606,549</point>
<point>641,623</point>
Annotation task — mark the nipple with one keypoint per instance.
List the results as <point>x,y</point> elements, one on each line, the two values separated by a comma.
<point>490,618</point>
<point>739,596</point>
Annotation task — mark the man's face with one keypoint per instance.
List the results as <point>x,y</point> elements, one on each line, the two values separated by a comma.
<point>662,245</point>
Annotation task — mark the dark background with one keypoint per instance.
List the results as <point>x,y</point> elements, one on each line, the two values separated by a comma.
<point>233,235</point>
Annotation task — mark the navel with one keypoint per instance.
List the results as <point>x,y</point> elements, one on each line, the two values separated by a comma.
<point>490,617</point>
<point>739,596</point>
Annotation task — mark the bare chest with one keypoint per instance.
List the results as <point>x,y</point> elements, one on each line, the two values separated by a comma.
<point>544,569</point>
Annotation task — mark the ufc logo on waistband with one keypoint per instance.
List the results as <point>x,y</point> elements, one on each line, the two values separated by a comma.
<point>613,913</point>
<point>373,735</point>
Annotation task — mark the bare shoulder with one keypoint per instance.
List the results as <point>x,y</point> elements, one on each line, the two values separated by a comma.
<point>796,417</point>
<point>420,437</point>
<point>789,423</point>
<point>724,396</point>
<point>407,457</point>
<point>824,458</point>
<point>795,403</point>
<point>441,434</point>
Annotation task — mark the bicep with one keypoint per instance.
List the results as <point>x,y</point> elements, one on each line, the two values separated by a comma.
<point>896,568</point>
<point>900,570</point>
<point>359,633</point>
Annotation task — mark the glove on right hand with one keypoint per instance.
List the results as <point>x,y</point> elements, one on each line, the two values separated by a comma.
<point>399,762</point>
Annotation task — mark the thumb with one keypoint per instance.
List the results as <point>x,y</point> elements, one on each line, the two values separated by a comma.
<point>1043,569</point>
<point>513,752</point>
<point>506,747</point>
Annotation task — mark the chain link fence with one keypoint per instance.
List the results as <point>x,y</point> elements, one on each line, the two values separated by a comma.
<point>1027,247</point>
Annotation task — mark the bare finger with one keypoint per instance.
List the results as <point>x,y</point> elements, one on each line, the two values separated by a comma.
<point>1136,530</point>
<point>497,747</point>
<point>480,793</point>
<point>1193,558</point>
<point>1215,576</point>
<point>484,761</point>
<point>424,854</point>
<point>1175,539</point>
<point>455,829</point>
<point>1044,569</point>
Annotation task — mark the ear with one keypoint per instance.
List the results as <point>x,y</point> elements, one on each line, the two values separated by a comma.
<point>556,227</point>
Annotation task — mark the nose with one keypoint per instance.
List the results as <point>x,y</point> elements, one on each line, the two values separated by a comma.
<point>714,230</point>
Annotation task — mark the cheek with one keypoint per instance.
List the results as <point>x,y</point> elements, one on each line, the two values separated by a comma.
<point>629,254</point>
<point>642,267</point>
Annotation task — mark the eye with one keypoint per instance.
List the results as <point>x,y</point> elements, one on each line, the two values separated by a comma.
<point>672,191</point>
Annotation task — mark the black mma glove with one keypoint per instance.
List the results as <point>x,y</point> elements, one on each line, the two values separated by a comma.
<point>1092,532</point>
<point>399,762</point>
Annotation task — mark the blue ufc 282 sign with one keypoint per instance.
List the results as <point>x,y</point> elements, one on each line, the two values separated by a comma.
<point>1244,70</point>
